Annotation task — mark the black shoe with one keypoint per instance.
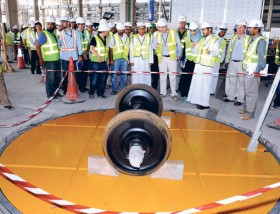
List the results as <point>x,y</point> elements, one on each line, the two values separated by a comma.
<point>225,96</point>
<point>9,107</point>
<point>202,107</point>
<point>114,93</point>
<point>59,95</point>
<point>103,96</point>
<point>91,96</point>
<point>83,90</point>
<point>238,103</point>
<point>227,100</point>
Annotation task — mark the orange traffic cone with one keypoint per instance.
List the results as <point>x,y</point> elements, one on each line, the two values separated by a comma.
<point>72,95</point>
<point>21,64</point>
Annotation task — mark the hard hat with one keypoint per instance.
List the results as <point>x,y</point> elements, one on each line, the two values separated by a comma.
<point>127,24</point>
<point>103,21</point>
<point>32,24</point>
<point>15,27</point>
<point>206,25</point>
<point>64,18</point>
<point>140,24</point>
<point>50,19</point>
<point>72,20</point>
<point>153,25</point>
<point>24,26</point>
<point>111,25</point>
<point>242,22</point>
<point>193,26</point>
<point>88,23</point>
<point>162,22</point>
<point>223,26</point>
<point>80,20</point>
<point>256,23</point>
<point>103,27</point>
<point>148,24</point>
<point>182,19</point>
<point>57,22</point>
<point>120,26</point>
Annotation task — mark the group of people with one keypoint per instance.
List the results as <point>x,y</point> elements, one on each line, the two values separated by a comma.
<point>154,56</point>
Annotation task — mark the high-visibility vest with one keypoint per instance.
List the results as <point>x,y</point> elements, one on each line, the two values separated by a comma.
<point>120,49</point>
<point>17,38</point>
<point>28,31</point>
<point>141,49</point>
<point>183,40</point>
<point>57,33</point>
<point>245,46</point>
<point>101,49</point>
<point>32,34</point>
<point>65,48</point>
<point>1,68</point>
<point>190,56</point>
<point>171,45</point>
<point>221,48</point>
<point>85,38</point>
<point>251,55</point>
<point>8,38</point>
<point>277,60</point>
<point>203,57</point>
<point>109,37</point>
<point>50,51</point>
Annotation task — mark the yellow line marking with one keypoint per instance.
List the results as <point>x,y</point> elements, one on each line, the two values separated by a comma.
<point>205,130</point>
<point>82,126</point>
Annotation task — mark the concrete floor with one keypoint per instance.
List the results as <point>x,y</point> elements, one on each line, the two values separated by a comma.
<point>27,94</point>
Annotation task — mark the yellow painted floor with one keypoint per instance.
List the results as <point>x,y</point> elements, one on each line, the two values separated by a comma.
<point>54,156</point>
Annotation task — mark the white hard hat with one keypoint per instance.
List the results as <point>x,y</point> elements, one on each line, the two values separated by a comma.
<point>72,20</point>
<point>148,24</point>
<point>64,18</point>
<point>193,26</point>
<point>31,21</point>
<point>256,23</point>
<point>103,27</point>
<point>162,22</point>
<point>24,26</point>
<point>223,26</point>
<point>103,21</point>
<point>57,22</point>
<point>80,20</point>
<point>140,24</point>
<point>88,22</point>
<point>182,19</point>
<point>15,27</point>
<point>206,25</point>
<point>50,19</point>
<point>120,26</point>
<point>32,24</point>
<point>242,22</point>
<point>127,24</point>
<point>111,25</point>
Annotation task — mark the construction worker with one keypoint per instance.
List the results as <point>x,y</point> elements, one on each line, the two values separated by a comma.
<point>89,29</point>
<point>128,29</point>
<point>207,53</point>
<point>9,45</point>
<point>108,78</point>
<point>141,55</point>
<point>154,66</point>
<point>38,31</point>
<point>254,62</point>
<point>169,49</point>
<point>85,39</point>
<point>58,28</point>
<point>99,60</point>
<point>24,48</point>
<point>187,64</point>
<point>119,49</point>
<point>4,98</point>
<point>48,53</point>
<point>35,65</point>
<point>113,28</point>
<point>235,55</point>
<point>73,24</point>
<point>70,45</point>
<point>220,34</point>
<point>17,41</point>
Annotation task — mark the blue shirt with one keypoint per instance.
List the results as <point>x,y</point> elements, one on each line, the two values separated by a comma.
<point>43,39</point>
<point>69,40</point>
<point>237,51</point>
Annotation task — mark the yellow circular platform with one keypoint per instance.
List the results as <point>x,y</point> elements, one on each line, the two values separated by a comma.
<point>54,157</point>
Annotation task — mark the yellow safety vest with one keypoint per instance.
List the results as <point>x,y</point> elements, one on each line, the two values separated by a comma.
<point>221,48</point>
<point>171,45</point>
<point>190,56</point>
<point>32,34</point>
<point>203,57</point>
<point>120,49</point>
<point>251,55</point>
<point>109,37</point>
<point>8,38</point>
<point>100,49</point>
<point>28,31</point>
<point>245,46</point>
<point>185,35</point>
<point>141,49</point>
<point>1,68</point>
<point>50,51</point>
<point>17,38</point>
<point>277,61</point>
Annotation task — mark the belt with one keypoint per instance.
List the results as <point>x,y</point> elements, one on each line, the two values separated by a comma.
<point>166,55</point>
<point>237,60</point>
